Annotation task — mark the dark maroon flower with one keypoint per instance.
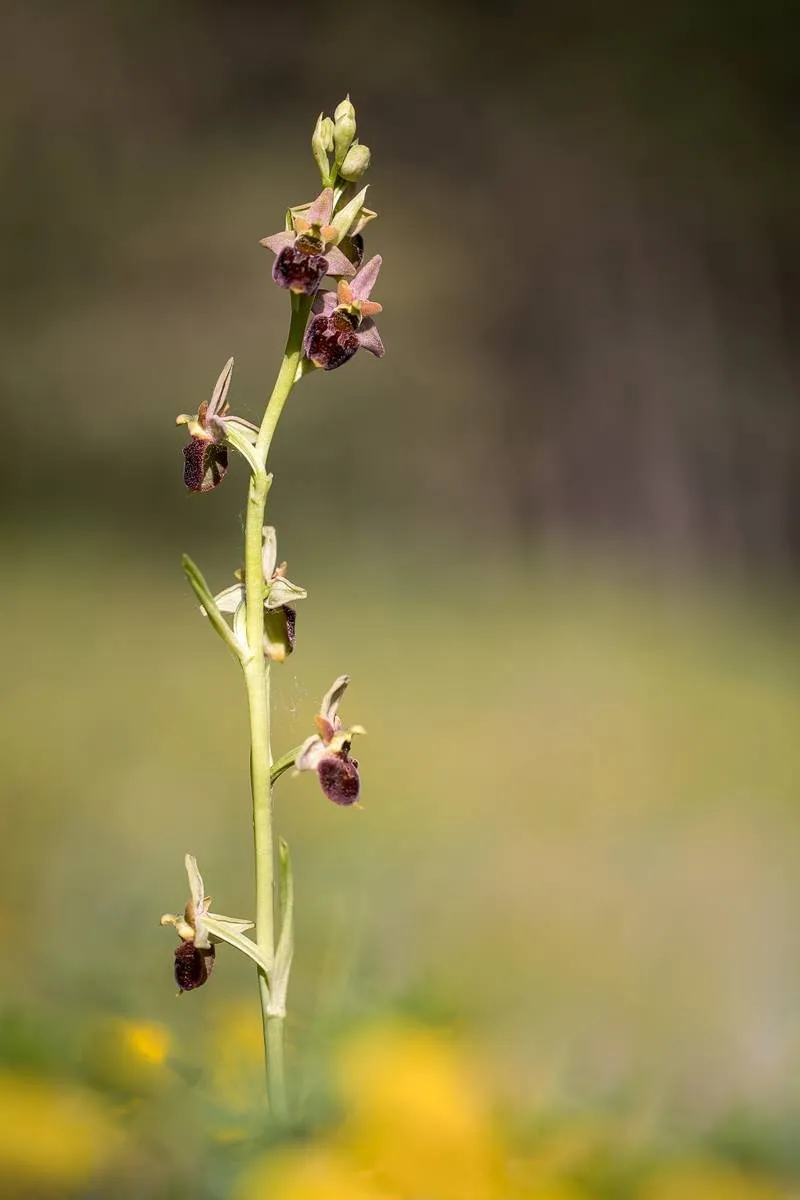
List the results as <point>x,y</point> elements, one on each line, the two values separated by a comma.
<point>193,966</point>
<point>206,454</point>
<point>328,751</point>
<point>301,267</point>
<point>343,321</point>
<point>331,340</point>
<point>195,956</point>
<point>338,777</point>
<point>353,248</point>
<point>307,252</point>
<point>205,465</point>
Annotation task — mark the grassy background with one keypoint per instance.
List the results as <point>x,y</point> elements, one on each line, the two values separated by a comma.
<point>552,536</point>
<point>576,841</point>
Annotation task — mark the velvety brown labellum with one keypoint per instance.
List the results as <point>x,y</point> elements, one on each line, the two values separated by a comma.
<point>298,270</point>
<point>279,632</point>
<point>291,624</point>
<point>205,465</point>
<point>331,341</point>
<point>338,777</point>
<point>353,248</point>
<point>193,966</point>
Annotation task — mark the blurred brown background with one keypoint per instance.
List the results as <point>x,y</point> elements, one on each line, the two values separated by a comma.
<point>553,535</point>
<point>594,213</point>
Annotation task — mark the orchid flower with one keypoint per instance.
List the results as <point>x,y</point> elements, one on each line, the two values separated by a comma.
<point>344,321</point>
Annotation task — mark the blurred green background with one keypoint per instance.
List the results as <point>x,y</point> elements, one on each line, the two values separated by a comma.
<point>553,536</point>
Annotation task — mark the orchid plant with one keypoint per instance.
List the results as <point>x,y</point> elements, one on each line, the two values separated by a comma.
<point>256,616</point>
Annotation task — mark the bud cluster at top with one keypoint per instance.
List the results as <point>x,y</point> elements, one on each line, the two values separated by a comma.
<point>340,156</point>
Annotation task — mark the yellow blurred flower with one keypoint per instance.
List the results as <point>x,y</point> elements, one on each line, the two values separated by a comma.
<point>236,1061</point>
<point>316,1173</point>
<point>709,1181</point>
<point>51,1134</point>
<point>416,1115</point>
<point>145,1041</point>
<point>130,1055</point>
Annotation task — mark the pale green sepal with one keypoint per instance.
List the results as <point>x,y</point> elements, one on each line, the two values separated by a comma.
<point>217,405</point>
<point>196,886</point>
<point>231,935</point>
<point>269,551</point>
<point>305,367</point>
<point>248,430</point>
<point>235,924</point>
<point>326,133</point>
<point>285,951</point>
<point>348,216</point>
<point>344,131</point>
<point>229,599</point>
<point>209,606</point>
<point>283,591</point>
<point>321,144</point>
<point>366,215</point>
<point>236,438</point>
<point>240,628</point>
<point>196,908</point>
<point>283,764</point>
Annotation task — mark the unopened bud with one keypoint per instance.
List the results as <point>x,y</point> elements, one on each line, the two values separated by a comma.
<point>355,162</point>
<point>322,144</point>
<point>344,129</point>
<point>344,109</point>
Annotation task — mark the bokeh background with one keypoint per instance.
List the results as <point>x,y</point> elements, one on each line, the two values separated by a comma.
<point>553,536</point>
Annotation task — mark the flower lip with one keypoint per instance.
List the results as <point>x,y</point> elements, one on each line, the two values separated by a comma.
<point>298,270</point>
<point>192,966</point>
<point>328,343</point>
<point>339,779</point>
<point>205,464</point>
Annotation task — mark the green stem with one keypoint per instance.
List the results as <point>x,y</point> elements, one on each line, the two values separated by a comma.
<point>256,671</point>
<point>274,1043</point>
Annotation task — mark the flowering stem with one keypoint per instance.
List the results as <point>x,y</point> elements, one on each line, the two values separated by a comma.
<point>256,672</point>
